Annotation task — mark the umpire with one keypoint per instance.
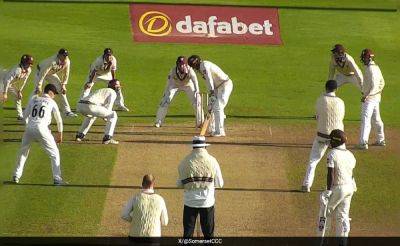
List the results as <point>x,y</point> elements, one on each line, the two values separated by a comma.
<point>199,174</point>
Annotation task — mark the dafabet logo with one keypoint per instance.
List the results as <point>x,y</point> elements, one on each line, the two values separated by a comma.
<point>204,24</point>
<point>155,23</point>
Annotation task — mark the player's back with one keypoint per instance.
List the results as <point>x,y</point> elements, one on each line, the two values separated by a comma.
<point>100,96</point>
<point>344,163</point>
<point>40,110</point>
<point>330,112</point>
<point>216,72</point>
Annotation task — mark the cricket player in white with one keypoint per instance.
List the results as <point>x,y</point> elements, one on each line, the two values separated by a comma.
<point>55,70</point>
<point>220,87</point>
<point>345,67</point>
<point>99,104</point>
<point>146,211</point>
<point>14,81</point>
<point>329,113</point>
<point>371,90</point>
<point>180,78</point>
<point>38,118</point>
<point>103,69</point>
<point>336,199</point>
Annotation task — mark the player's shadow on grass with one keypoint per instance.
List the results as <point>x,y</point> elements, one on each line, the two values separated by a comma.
<point>157,133</point>
<point>157,188</point>
<point>260,144</point>
<point>257,144</point>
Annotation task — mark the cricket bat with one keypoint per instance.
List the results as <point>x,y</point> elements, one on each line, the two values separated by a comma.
<point>205,124</point>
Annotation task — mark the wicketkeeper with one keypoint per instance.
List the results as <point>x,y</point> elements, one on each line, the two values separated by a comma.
<point>180,78</point>
<point>336,199</point>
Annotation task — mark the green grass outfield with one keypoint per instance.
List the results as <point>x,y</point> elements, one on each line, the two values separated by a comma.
<point>269,81</point>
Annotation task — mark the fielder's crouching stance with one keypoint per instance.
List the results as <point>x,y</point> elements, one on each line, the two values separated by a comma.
<point>103,69</point>
<point>180,78</point>
<point>55,70</point>
<point>343,68</point>
<point>38,118</point>
<point>99,104</point>
<point>340,188</point>
<point>14,81</point>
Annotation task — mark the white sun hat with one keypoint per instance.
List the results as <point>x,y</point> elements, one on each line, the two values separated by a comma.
<point>199,141</point>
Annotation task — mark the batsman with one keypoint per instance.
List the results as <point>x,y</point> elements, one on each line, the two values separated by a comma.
<point>220,86</point>
<point>340,185</point>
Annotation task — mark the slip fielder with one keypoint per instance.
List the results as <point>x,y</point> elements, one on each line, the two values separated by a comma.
<point>103,69</point>
<point>336,199</point>
<point>329,113</point>
<point>220,87</point>
<point>99,104</point>
<point>371,90</point>
<point>14,81</point>
<point>180,78</point>
<point>38,118</point>
<point>55,70</point>
<point>343,68</point>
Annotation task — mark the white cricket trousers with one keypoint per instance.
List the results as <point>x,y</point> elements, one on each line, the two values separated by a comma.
<point>169,94</point>
<point>55,80</point>
<point>370,111</point>
<point>18,102</point>
<point>222,93</point>
<point>92,112</point>
<point>43,135</point>
<point>119,101</point>
<point>339,207</point>
<point>319,147</point>
<point>342,79</point>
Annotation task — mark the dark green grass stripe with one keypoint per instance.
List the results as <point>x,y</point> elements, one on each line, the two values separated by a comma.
<point>235,5</point>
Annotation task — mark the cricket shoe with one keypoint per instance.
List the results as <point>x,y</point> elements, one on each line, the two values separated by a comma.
<point>19,117</point>
<point>157,125</point>
<point>15,180</point>
<point>362,146</point>
<point>60,182</point>
<point>110,141</point>
<point>71,114</point>
<point>380,143</point>
<point>123,108</point>
<point>305,189</point>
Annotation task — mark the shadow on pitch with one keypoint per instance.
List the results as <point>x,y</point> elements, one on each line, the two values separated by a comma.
<point>259,144</point>
<point>156,133</point>
<point>157,188</point>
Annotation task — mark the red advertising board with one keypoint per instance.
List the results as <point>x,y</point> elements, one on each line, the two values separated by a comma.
<point>205,24</point>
